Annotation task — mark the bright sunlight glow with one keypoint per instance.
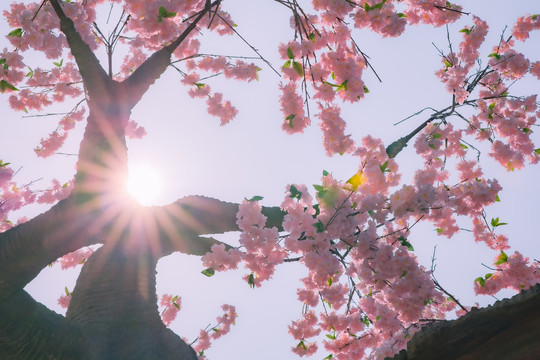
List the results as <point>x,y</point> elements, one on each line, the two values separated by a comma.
<point>144,184</point>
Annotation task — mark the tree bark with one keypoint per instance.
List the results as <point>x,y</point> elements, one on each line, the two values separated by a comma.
<point>507,330</point>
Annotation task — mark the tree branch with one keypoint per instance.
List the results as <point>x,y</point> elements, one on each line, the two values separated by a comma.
<point>29,247</point>
<point>151,69</point>
<point>94,76</point>
<point>182,223</point>
<point>30,330</point>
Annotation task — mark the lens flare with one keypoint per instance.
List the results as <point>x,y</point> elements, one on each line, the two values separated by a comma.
<point>144,184</point>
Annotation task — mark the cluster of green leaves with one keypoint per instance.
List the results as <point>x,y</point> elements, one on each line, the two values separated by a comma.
<point>501,259</point>
<point>377,6</point>
<point>467,30</point>
<point>496,222</point>
<point>4,85</point>
<point>164,14</point>
<point>299,68</point>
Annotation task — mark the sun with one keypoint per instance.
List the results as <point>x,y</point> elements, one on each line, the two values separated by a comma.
<point>144,184</point>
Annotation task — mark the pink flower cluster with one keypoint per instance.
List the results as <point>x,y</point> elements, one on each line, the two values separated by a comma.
<point>333,128</point>
<point>524,25</point>
<point>12,197</point>
<point>55,193</point>
<point>170,306</point>
<point>49,145</point>
<point>262,250</point>
<point>222,109</point>
<point>223,326</point>
<point>511,119</point>
<point>514,271</point>
<point>75,258</point>
<point>293,110</point>
<point>457,66</point>
<point>134,130</point>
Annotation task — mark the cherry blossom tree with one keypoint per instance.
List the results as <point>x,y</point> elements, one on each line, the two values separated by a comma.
<point>365,293</point>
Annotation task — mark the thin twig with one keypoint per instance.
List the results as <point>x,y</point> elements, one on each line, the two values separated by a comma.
<point>248,44</point>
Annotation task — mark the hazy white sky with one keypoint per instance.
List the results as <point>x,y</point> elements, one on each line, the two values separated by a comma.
<point>252,156</point>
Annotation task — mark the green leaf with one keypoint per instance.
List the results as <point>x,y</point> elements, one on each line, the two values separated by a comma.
<point>302,345</point>
<point>436,136</point>
<point>401,15</point>
<point>67,291</point>
<point>290,119</point>
<point>463,146</point>
<point>317,210</point>
<point>298,68</point>
<point>199,85</point>
<point>255,198</point>
<point>502,258</point>
<point>330,281</point>
<point>466,31</point>
<point>384,167</point>
<point>403,274</point>
<point>527,130</point>
<point>312,37</point>
<point>481,281</point>
<point>16,33</point>
<point>4,85</point>
<point>497,199</point>
<point>318,187</point>
<point>439,230</point>
<point>319,226</point>
<point>447,63</point>
<point>373,7</point>
<point>496,222</point>
<point>251,280</point>
<point>208,272</point>
<point>2,164</point>
<point>537,151</point>
<point>356,180</point>
<point>59,64</point>
<point>331,337</point>
<point>30,73</point>
<point>290,53</point>
<point>163,13</point>
<point>295,194</point>
<point>325,173</point>
<point>366,90</point>
<point>328,357</point>
<point>488,276</point>
<point>342,86</point>
<point>287,64</point>
<point>495,55</point>
<point>403,241</point>
<point>365,320</point>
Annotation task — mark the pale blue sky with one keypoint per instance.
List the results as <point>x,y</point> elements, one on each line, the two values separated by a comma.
<point>252,156</point>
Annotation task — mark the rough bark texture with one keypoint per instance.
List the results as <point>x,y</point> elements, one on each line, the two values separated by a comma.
<point>509,329</point>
